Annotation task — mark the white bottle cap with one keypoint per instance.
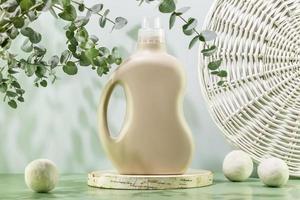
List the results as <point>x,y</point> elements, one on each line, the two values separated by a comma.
<point>151,31</point>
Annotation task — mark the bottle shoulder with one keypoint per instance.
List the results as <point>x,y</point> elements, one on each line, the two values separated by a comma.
<point>152,59</point>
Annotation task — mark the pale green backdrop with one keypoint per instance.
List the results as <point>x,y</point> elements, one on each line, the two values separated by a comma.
<point>59,122</point>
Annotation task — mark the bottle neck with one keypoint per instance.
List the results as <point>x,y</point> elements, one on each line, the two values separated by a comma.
<point>154,43</point>
<point>159,46</point>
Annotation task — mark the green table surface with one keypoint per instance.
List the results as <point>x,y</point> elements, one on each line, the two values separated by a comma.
<point>73,186</point>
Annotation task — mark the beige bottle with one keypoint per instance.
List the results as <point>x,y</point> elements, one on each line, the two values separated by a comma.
<point>155,138</point>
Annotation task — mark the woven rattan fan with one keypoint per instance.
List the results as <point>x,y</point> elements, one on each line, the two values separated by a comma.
<point>259,108</point>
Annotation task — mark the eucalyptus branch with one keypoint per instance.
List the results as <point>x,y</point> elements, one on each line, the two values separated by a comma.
<point>82,48</point>
<point>91,10</point>
<point>189,29</point>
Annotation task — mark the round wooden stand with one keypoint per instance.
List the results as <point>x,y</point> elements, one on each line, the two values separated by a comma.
<point>113,180</point>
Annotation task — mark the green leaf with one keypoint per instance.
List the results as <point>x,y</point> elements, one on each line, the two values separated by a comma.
<point>213,65</point>
<point>96,8</point>
<point>65,3</point>
<point>120,22</point>
<point>44,83</point>
<point>103,67</point>
<point>82,35</point>
<point>69,13</point>
<point>27,46</point>
<point>172,20</point>
<point>3,87</point>
<point>115,52</point>
<point>188,28</point>
<point>39,51</point>
<point>104,51</point>
<point>193,41</point>
<point>92,53</point>
<point>12,103</point>
<point>35,38</point>
<point>167,6</point>
<point>15,84</point>
<point>21,99</point>
<point>222,73</point>
<point>210,51</point>
<point>208,36</point>
<point>11,71</point>
<point>65,56</point>
<point>84,60</point>
<point>11,94</point>
<point>53,61</point>
<point>220,83</point>
<point>30,69</point>
<point>69,34</point>
<point>26,4</point>
<point>40,71</point>
<point>72,48</point>
<point>81,21</point>
<point>13,33</point>
<point>32,15</point>
<point>70,68</point>
<point>102,21</point>
<point>27,31</point>
<point>18,22</point>
<point>94,38</point>
<point>20,91</point>
<point>81,7</point>
<point>118,61</point>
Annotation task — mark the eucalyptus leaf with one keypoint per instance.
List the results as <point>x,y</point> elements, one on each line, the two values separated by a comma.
<point>69,13</point>
<point>102,21</point>
<point>222,73</point>
<point>208,36</point>
<point>27,46</point>
<point>43,83</point>
<point>53,62</point>
<point>12,103</point>
<point>11,94</point>
<point>167,6</point>
<point>209,51</point>
<point>26,4</point>
<point>3,87</point>
<point>27,31</point>
<point>18,22</point>
<point>65,56</point>
<point>70,68</point>
<point>213,65</point>
<point>220,83</point>
<point>30,69</point>
<point>120,22</point>
<point>20,99</point>
<point>97,8</point>
<point>16,84</point>
<point>193,41</point>
<point>172,20</point>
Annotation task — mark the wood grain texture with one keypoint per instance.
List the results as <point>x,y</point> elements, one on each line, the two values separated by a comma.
<point>113,180</point>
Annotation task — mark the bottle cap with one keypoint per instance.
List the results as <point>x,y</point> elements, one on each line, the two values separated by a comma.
<point>151,31</point>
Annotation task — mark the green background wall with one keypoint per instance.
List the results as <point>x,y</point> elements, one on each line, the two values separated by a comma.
<point>59,122</point>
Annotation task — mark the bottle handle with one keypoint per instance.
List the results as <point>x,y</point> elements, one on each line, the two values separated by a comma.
<point>104,133</point>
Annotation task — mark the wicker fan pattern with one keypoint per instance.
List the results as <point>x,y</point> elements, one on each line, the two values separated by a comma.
<point>258,109</point>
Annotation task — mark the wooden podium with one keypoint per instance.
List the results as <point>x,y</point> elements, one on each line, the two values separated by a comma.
<point>113,180</point>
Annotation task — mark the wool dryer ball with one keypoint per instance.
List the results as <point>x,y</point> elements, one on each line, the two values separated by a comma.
<point>41,175</point>
<point>273,172</point>
<point>237,166</point>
